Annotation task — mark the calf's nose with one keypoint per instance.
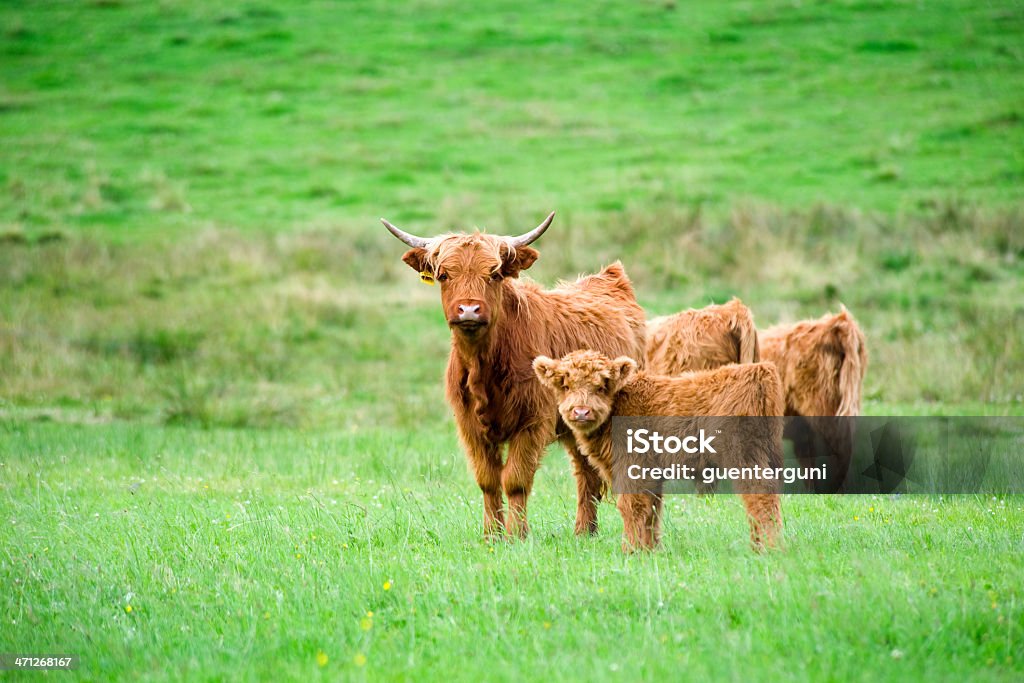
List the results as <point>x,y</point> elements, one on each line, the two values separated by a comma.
<point>580,413</point>
<point>469,312</point>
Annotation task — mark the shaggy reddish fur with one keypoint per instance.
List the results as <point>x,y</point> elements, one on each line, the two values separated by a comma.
<point>591,388</point>
<point>701,339</point>
<point>822,363</point>
<point>490,383</point>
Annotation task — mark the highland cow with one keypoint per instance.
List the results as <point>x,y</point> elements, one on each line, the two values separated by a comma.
<point>822,364</point>
<point>592,388</point>
<point>499,324</point>
<point>701,339</point>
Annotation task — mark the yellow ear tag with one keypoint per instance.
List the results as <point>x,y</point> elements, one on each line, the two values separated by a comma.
<point>426,277</point>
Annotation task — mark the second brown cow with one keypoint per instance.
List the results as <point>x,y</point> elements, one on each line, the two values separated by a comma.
<point>821,362</point>
<point>702,339</point>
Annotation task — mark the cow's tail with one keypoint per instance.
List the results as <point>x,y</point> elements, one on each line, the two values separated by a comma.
<point>854,363</point>
<point>746,333</point>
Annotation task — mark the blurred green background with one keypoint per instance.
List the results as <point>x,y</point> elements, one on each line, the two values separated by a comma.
<point>141,117</point>
<point>191,191</point>
<point>220,388</point>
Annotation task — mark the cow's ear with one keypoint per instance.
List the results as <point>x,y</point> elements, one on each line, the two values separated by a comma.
<point>521,259</point>
<point>416,258</point>
<point>544,368</point>
<point>623,370</point>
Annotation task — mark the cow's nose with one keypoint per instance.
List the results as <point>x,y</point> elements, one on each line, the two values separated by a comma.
<point>580,413</point>
<point>470,312</point>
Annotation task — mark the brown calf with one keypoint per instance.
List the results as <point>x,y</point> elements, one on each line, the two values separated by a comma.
<point>591,388</point>
<point>499,324</point>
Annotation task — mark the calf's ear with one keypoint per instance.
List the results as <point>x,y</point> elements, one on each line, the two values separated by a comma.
<point>520,259</point>
<point>416,258</point>
<point>623,370</point>
<point>544,368</point>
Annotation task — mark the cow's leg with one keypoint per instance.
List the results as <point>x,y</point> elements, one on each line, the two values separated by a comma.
<point>489,481</point>
<point>631,526</point>
<point>764,514</point>
<point>641,521</point>
<point>589,487</point>
<point>798,430</point>
<point>524,453</point>
<point>655,523</point>
<point>485,461</point>
<point>761,495</point>
<point>765,519</point>
<point>837,433</point>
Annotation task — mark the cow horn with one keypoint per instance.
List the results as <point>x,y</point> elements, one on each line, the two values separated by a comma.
<point>527,238</point>
<point>411,240</point>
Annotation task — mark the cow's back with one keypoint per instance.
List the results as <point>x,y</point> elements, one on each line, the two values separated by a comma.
<point>810,356</point>
<point>701,339</point>
<point>748,389</point>
<point>597,312</point>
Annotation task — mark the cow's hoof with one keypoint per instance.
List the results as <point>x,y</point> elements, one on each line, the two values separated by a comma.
<point>494,535</point>
<point>520,532</point>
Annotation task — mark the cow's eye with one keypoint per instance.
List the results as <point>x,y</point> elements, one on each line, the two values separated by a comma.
<point>441,277</point>
<point>495,276</point>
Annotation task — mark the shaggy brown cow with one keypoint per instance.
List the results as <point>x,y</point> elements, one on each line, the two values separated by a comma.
<point>822,363</point>
<point>591,388</point>
<point>499,325</point>
<point>701,339</point>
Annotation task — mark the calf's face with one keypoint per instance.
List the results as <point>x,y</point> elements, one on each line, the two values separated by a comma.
<point>586,384</point>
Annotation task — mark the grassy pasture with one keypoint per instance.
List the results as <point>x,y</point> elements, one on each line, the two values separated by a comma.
<point>247,554</point>
<point>307,330</point>
<point>134,118</point>
<point>220,397</point>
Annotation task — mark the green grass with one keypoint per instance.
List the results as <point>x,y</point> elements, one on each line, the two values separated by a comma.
<point>304,330</point>
<point>136,118</point>
<point>244,554</point>
<point>220,388</point>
